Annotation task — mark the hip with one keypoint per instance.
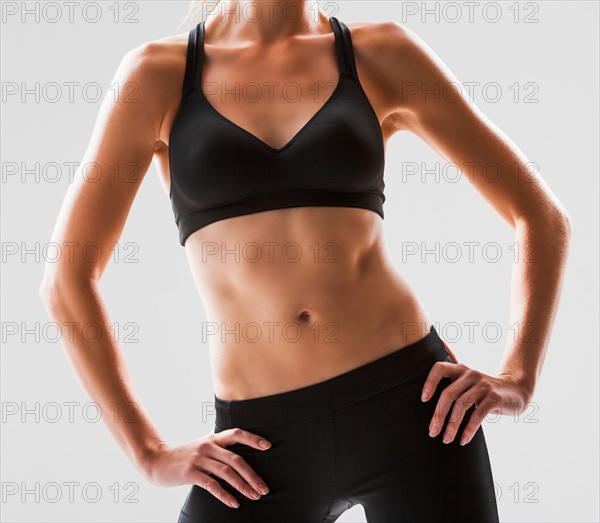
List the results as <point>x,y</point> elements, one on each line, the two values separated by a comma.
<point>359,437</point>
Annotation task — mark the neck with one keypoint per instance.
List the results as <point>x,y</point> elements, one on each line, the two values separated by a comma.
<point>264,21</point>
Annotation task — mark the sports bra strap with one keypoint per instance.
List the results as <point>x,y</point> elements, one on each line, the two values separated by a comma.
<point>195,53</point>
<point>189,77</point>
<point>342,139</point>
<point>197,40</point>
<point>344,48</point>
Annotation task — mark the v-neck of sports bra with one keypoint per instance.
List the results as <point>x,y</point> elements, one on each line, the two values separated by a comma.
<point>219,170</point>
<point>332,97</point>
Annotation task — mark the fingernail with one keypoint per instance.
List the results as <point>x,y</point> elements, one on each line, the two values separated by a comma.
<point>446,439</point>
<point>263,489</point>
<point>264,444</point>
<point>433,431</point>
<point>254,494</point>
<point>424,395</point>
<point>235,504</point>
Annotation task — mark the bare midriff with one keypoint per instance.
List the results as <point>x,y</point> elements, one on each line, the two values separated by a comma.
<point>297,296</point>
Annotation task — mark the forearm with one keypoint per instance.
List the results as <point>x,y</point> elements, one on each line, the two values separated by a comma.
<point>536,284</point>
<point>100,366</point>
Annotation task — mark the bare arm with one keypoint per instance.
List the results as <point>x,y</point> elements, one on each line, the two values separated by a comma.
<point>94,211</point>
<point>414,85</point>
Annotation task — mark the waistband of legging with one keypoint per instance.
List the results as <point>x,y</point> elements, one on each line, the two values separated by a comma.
<point>393,369</point>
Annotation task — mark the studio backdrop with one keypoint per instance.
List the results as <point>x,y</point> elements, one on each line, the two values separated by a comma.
<point>532,69</point>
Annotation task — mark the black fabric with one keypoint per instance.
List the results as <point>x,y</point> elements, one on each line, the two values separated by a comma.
<point>360,437</point>
<point>220,170</point>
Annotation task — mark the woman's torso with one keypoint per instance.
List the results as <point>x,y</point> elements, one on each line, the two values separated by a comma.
<point>297,295</point>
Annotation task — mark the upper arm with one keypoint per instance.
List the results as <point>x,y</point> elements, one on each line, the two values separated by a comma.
<point>428,100</point>
<point>119,153</point>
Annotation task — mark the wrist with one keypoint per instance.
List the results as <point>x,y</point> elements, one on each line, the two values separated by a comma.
<point>146,455</point>
<point>524,383</point>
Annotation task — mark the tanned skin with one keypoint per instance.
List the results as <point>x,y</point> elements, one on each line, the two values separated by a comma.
<point>372,308</point>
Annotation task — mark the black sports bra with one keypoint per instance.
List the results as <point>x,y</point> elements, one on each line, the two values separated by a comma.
<point>220,170</point>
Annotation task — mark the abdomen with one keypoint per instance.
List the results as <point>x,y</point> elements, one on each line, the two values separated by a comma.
<point>296,296</point>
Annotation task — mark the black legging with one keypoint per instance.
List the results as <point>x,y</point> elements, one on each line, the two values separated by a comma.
<point>360,437</point>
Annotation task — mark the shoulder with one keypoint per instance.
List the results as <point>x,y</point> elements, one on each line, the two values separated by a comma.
<point>156,60</point>
<point>372,34</point>
<point>398,62</point>
<point>390,45</point>
<point>373,39</point>
<point>389,38</point>
<point>151,74</point>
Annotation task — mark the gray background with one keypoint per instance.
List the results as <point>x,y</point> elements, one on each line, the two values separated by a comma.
<point>545,463</point>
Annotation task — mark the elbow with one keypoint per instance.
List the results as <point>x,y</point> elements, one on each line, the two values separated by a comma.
<point>567,222</point>
<point>562,229</point>
<point>46,290</point>
<point>57,289</point>
<point>557,220</point>
<point>51,283</point>
<point>49,292</point>
<point>563,224</point>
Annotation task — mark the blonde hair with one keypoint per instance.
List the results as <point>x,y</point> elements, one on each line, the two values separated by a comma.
<point>196,10</point>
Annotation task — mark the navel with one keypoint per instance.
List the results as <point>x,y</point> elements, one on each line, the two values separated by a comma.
<point>304,316</point>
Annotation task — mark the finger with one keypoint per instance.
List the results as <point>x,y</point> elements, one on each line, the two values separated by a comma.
<point>439,370</point>
<point>481,411</point>
<point>459,410</point>
<point>237,435</point>
<point>240,465</point>
<point>212,485</point>
<point>451,393</point>
<point>450,352</point>
<point>227,473</point>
